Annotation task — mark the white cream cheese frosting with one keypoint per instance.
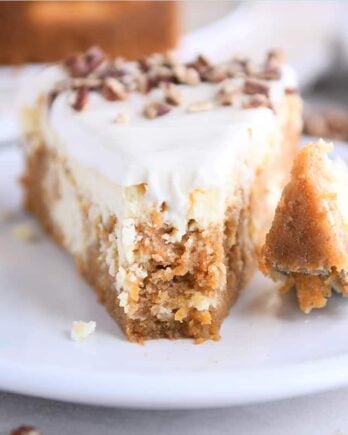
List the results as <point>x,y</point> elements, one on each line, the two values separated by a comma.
<point>173,154</point>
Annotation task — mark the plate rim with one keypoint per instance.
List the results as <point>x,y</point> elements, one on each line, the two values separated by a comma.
<point>177,390</point>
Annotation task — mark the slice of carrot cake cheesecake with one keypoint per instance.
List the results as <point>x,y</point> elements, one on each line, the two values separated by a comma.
<point>161,178</point>
<point>307,246</point>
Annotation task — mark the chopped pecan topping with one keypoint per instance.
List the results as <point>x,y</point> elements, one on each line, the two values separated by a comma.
<point>111,69</point>
<point>76,65</point>
<point>51,97</point>
<point>227,94</point>
<point>257,100</point>
<point>90,82</point>
<point>147,63</point>
<point>172,94</point>
<point>145,84</point>
<point>164,207</point>
<point>80,65</point>
<point>270,72</point>
<point>163,73</point>
<point>235,69</point>
<point>214,74</point>
<point>144,64</point>
<point>272,69</point>
<point>200,106</point>
<point>169,59</point>
<point>276,55</point>
<point>94,57</point>
<point>291,91</point>
<point>191,77</point>
<point>114,79</point>
<point>113,90</point>
<point>254,86</point>
<point>156,109</point>
<point>75,84</point>
<point>129,81</point>
<point>240,58</point>
<point>201,64</point>
<point>250,68</point>
<point>25,430</point>
<point>203,60</point>
<point>186,75</point>
<point>81,98</point>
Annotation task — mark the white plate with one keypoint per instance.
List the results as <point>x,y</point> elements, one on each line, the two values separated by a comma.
<point>268,350</point>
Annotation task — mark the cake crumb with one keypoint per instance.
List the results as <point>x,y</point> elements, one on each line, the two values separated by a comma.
<point>81,330</point>
<point>122,118</point>
<point>200,106</point>
<point>24,232</point>
<point>156,109</point>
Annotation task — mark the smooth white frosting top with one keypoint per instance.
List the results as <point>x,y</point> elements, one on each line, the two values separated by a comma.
<point>172,154</point>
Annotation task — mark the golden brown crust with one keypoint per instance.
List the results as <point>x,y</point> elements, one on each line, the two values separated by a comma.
<point>303,243</point>
<point>312,291</point>
<point>302,236</point>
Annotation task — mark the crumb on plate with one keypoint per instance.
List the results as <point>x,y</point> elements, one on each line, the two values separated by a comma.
<point>24,232</point>
<point>81,330</point>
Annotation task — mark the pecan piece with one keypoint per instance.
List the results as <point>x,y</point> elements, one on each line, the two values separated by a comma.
<point>214,74</point>
<point>201,64</point>
<point>94,57</point>
<point>156,109</point>
<point>90,82</point>
<point>235,70</point>
<point>186,75</point>
<point>144,64</point>
<point>172,94</point>
<point>270,72</point>
<point>226,95</point>
<point>253,86</point>
<point>276,55</point>
<point>145,84</point>
<point>51,97</point>
<point>200,106</point>
<point>169,59</point>
<point>81,98</point>
<point>113,90</point>
<point>76,65</point>
<point>291,91</point>
<point>250,68</point>
<point>257,100</point>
